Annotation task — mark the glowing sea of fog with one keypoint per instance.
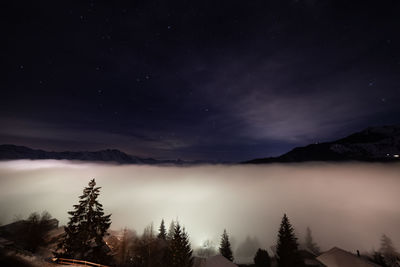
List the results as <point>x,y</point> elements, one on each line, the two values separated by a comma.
<point>349,205</point>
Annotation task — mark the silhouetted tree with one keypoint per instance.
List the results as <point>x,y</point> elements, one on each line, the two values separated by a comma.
<point>34,230</point>
<point>162,232</point>
<point>310,244</point>
<point>124,248</point>
<point>261,259</point>
<point>145,249</point>
<point>86,228</point>
<point>171,230</point>
<point>225,246</point>
<point>149,251</point>
<point>180,249</point>
<point>378,258</point>
<point>148,232</point>
<point>388,250</point>
<point>287,247</point>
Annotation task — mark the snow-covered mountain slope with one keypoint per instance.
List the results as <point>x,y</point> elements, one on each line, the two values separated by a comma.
<point>380,144</point>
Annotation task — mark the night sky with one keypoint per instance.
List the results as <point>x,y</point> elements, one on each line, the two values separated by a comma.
<point>207,80</point>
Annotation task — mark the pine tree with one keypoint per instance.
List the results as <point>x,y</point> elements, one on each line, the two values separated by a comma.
<point>86,228</point>
<point>146,248</point>
<point>225,246</point>
<point>124,248</point>
<point>148,232</point>
<point>162,232</point>
<point>167,253</point>
<point>310,244</point>
<point>378,258</point>
<point>388,250</point>
<point>34,230</point>
<point>261,259</point>
<point>287,247</point>
<point>180,249</point>
<point>171,230</point>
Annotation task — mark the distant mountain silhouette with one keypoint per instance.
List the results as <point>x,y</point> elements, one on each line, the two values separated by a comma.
<point>380,144</point>
<point>12,152</point>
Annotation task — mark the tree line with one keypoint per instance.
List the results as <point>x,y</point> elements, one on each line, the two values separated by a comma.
<point>88,225</point>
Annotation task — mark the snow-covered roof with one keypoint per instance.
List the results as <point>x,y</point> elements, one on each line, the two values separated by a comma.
<point>216,261</point>
<point>337,257</point>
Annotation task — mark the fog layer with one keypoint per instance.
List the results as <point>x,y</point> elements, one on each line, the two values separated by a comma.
<point>345,205</point>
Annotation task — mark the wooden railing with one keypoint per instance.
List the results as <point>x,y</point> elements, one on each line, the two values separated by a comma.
<point>77,262</point>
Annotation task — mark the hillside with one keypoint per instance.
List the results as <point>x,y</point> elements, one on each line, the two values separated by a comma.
<point>13,152</point>
<point>381,144</point>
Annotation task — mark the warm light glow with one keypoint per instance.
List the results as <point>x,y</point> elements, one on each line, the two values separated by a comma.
<point>356,202</point>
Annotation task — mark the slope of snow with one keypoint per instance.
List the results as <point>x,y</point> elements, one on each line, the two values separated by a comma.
<point>218,261</point>
<point>337,257</point>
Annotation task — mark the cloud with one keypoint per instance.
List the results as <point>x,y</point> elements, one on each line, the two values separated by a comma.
<point>355,202</point>
<point>294,98</point>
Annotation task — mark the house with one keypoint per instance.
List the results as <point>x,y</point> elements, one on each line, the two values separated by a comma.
<point>337,257</point>
<point>309,258</point>
<point>214,261</point>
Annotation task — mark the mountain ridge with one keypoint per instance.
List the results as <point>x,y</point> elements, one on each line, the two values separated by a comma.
<point>373,144</point>
<point>14,152</point>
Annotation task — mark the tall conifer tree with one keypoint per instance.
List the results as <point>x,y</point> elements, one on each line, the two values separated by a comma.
<point>261,259</point>
<point>171,230</point>
<point>287,248</point>
<point>162,232</point>
<point>180,249</point>
<point>388,251</point>
<point>86,228</point>
<point>225,246</point>
<point>310,244</point>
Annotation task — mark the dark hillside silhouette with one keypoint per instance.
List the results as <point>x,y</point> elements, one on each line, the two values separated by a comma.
<point>13,152</point>
<point>380,144</point>
<point>30,234</point>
